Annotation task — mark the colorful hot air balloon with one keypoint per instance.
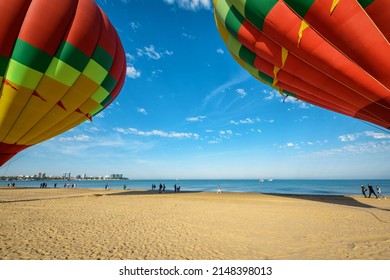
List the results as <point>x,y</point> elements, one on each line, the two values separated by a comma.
<point>61,62</point>
<point>331,53</point>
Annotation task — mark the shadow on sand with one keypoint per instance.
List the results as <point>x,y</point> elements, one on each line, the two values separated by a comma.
<point>332,199</point>
<point>148,192</point>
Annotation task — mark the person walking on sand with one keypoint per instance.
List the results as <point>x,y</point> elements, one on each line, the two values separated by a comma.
<point>364,189</point>
<point>379,192</point>
<point>219,189</point>
<point>371,191</point>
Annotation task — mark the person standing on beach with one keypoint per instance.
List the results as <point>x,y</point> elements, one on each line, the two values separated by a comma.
<point>364,189</point>
<point>219,189</point>
<point>371,191</point>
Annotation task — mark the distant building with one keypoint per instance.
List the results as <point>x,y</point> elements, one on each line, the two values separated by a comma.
<point>66,175</point>
<point>116,176</point>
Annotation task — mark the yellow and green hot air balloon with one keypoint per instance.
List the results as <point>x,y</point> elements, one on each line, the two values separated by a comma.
<point>330,53</point>
<point>61,62</point>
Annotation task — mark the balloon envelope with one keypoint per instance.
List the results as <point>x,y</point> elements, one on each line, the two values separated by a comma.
<point>61,62</point>
<point>330,53</point>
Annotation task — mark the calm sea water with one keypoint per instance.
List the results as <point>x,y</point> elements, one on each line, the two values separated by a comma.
<point>279,186</point>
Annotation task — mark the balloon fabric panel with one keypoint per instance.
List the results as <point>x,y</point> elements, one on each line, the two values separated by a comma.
<point>61,62</point>
<point>282,42</point>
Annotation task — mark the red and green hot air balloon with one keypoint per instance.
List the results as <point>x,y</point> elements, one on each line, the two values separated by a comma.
<point>331,53</point>
<point>61,62</point>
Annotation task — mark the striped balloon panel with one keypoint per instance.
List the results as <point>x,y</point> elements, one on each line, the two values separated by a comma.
<point>61,62</point>
<point>330,53</point>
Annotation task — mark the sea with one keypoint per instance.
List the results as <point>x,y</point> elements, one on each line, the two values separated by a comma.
<point>339,187</point>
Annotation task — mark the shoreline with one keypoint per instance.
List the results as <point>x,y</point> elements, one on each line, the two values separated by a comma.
<point>315,187</point>
<point>148,190</point>
<point>80,224</point>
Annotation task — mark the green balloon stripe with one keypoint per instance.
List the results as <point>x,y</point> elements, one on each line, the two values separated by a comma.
<point>102,58</point>
<point>256,11</point>
<point>365,3</point>
<point>38,60</point>
<point>3,65</point>
<point>31,56</point>
<point>72,56</point>
<point>300,7</point>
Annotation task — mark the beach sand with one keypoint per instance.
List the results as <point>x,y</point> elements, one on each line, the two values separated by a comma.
<point>97,224</point>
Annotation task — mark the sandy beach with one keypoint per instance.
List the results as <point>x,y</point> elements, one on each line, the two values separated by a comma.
<point>79,224</point>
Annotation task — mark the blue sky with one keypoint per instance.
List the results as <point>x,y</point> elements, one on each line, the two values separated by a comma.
<point>188,110</point>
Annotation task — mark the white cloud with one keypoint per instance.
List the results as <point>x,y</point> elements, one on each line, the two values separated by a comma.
<point>354,136</point>
<point>134,25</point>
<point>192,5</point>
<point>246,121</point>
<point>131,72</point>
<point>152,53</point>
<point>359,148</point>
<point>241,92</point>
<point>160,133</point>
<point>349,137</point>
<point>188,36</point>
<point>76,138</point>
<point>220,51</point>
<point>196,119</point>
<point>242,77</point>
<point>270,94</point>
<point>129,57</point>
<point>377,135</point>
<point>142,111</point>
<point>289,145</point>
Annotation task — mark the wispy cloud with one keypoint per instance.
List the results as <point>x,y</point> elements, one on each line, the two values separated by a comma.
<point>152,53</point>
<point>250,121</point>
<point>241,92</point>
<point>245,121</point>
<point>220,51</point>
<point>371,134</point>
<point>242,77</point>
<point>349,137</point>
<point>192,5</point>
<point>188,36</point>
<point>131,72</point>
<point>377,135</point>
<point>135,25</point>
<point>160,133</point>
<point>196,119</point>
<point>289,145</point>
<point>142,111</point>
<point>76,138</point>
<point>358,148</point>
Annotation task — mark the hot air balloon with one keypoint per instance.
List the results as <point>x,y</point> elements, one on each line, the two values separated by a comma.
<point>61,62</point>
<point>331,53</point>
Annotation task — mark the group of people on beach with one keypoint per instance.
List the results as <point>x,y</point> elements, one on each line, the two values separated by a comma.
<point>162,188</point>
<point>371,191</point>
